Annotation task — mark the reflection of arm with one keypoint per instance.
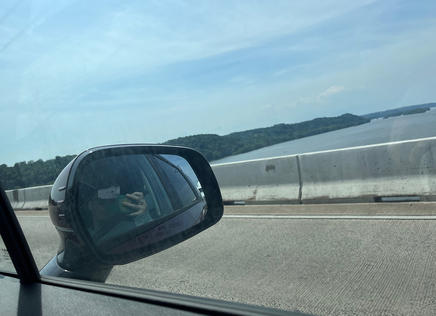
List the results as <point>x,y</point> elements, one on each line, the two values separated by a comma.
<point>140,207</point>
<point>143,208</point>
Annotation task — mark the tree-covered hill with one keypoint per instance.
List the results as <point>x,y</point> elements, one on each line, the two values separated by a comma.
<point>214,147</point>
<point>410,112</point>
<point>398,111</point>
<point>32,173</point>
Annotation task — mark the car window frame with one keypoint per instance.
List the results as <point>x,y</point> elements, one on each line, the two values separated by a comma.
<point>16,243</point>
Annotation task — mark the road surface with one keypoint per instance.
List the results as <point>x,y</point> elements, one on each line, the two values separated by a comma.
<point>347,259</point>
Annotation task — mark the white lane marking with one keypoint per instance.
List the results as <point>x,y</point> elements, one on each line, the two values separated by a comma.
<point>367,217</point>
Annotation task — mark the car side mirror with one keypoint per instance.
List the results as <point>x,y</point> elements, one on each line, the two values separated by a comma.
<point>127,202</point>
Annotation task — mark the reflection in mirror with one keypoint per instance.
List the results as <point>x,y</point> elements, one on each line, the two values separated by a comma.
<point>186,168</point>
<point>132,194</point>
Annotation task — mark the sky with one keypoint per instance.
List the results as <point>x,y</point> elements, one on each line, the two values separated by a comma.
<point>78,74</point>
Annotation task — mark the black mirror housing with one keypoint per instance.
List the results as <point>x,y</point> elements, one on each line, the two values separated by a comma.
<point>118,204</point>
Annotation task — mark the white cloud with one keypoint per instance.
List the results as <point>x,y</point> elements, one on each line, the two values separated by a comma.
<point>320,99</point>
<point>329,92</point>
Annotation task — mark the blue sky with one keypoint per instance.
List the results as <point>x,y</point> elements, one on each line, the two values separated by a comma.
<point>77,74</point>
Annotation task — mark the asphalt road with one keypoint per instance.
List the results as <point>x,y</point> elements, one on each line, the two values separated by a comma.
<point>335,263</point>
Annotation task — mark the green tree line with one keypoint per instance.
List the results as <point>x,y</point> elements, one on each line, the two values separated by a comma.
<point>32,173</point>
<point>214,147</point>
<point>410,112</point>
<point>398,111</point>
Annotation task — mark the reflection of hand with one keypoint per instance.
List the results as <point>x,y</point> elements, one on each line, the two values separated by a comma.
<point>140,208</point>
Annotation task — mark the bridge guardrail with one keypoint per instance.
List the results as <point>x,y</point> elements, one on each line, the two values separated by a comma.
<point>364,174</point>
<point>29,198</point>
<point>358,174</point>
<point>260,181</point>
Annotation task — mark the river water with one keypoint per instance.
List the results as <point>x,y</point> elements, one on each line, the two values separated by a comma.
<point>376,132</point>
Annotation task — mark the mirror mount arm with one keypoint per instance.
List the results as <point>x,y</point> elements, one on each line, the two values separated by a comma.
<point>52,268</point>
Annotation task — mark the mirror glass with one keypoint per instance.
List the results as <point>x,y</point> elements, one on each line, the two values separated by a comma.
<point>137,199</point>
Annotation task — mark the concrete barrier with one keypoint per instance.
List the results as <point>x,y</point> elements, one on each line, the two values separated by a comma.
<point>274,180</point>
<point>37,197</point>
<point>10,195</point>
<point>363,174</point>
<point>29,198</point>
<point>16,198</point>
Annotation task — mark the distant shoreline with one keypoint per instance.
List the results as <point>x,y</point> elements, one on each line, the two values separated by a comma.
<point>399,111</point>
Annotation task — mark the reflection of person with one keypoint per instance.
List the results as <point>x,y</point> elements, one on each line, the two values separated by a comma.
<point>118,197</point>
<point>101,217</point>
